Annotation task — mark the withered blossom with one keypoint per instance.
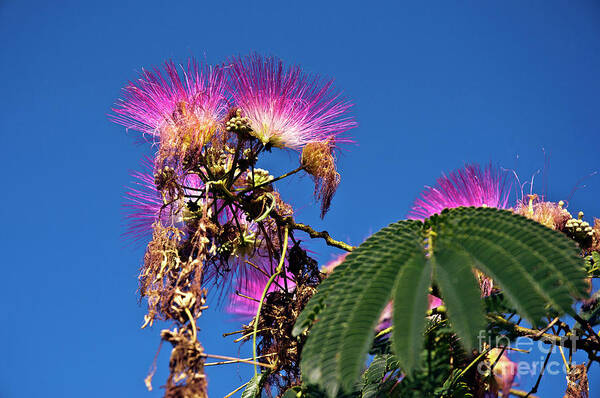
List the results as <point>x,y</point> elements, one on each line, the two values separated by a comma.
<point>319,161</point>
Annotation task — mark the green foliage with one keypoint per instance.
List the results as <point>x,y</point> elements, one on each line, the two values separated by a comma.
<point>461,293</point>
<point>590,311</point>
<point>534,265</point>
<point>496,302</point>
<point>454,387</point>
<point>355,294</point>
<point>303,392</point>
<point>292,393</point>
<point>593,265</point>
<point>537,269</point>
<point>433,376</point>
<point>253,389</point>
<point>373,383</point>
<point>411,289</point>
<point>439,354</point>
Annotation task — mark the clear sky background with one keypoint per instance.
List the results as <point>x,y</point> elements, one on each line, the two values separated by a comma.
<point>434,86</point>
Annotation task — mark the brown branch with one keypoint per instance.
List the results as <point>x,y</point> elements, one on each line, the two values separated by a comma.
<point>552,323</point>
<point>317,234</point>
<point>539,379</point>
<point>587,325</point>
<point>587,345</point>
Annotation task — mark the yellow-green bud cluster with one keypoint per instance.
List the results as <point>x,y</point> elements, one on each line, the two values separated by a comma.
<point>238,124</point>
<point>580,230</point>
<point>219,161</point>
<point>225,249</point>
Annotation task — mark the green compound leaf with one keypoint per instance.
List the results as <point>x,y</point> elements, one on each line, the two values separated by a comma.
<point>293,392</point>
<point>536,267</point>
<point>254,386</point>
<point>411,290</point>
<point>349,305</point>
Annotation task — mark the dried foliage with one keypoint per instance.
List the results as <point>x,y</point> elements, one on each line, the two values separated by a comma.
<point>186,365</point>
<point>577,382</point>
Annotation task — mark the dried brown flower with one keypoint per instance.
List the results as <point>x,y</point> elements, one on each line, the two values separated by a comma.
<point>186,365</point>
<point>550,214</point>
<point>319,161</point>
<point>577,382</point>
<point>596,242</point>
<point>158,275</point>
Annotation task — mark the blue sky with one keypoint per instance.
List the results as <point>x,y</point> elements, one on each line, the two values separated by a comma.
<point>434,86</point>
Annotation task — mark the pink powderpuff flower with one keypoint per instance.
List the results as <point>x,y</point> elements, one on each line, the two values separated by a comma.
<point>469,186</point>
<point>286,107</point>
<point>184,102</point>
<point>144,204</point>
<point>245,304</point>
<point>330,266</point>
<point>504,371</point>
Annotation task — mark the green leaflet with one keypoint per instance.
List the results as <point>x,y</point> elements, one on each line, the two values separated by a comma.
<point>461,293</point>
<point>537,268</point>
<point>411,290</point>
<point>372,377</point>
<point>335,357</point>
<point>345,272</point>
<point>253,389</point>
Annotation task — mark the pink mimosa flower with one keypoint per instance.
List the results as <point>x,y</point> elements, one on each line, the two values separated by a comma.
<point>469,186</point>
<point>434,301</point>
<point>330,266</point>
<point>162,104</point>
<point>286,107</point>
<point>504,371</point>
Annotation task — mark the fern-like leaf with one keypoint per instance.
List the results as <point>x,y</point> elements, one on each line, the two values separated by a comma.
<point>411,290</point>
<point>351,304</point>
<point>461,293</point>
<point>536,267</point>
